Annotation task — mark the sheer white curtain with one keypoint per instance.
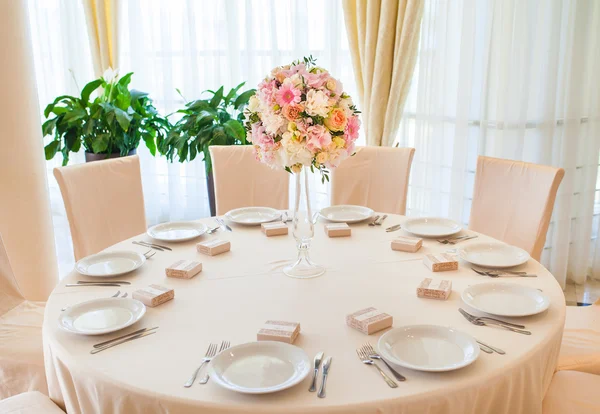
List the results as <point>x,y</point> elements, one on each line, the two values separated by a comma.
<point>191,45</point>
<point>511,79</point>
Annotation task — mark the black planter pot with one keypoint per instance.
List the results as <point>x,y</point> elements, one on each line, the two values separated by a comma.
<point>90,157</point>
<point>210,187</point>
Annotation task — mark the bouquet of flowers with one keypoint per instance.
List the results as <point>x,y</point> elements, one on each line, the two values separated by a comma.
<point>300,116</point>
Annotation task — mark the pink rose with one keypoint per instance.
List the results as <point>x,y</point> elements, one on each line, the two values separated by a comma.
<point>336,121</point>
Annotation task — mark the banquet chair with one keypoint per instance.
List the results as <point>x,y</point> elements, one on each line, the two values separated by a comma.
<point>242,181</point>
<point>580,348</point>
<point>32,402</point>
<point>513,201</point>
<point>21,351</point>
<point>572,392</point>
<point>375,177</point>
<point>104,202</point>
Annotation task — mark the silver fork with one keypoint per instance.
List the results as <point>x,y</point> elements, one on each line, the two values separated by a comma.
<point>149,253</point>
<point>374,221</point>
<point>210,352</point>
<point>446,241</point>
<point>116,295</point>
<point>364,358</point>
<point>368,348</point>
<point>211,231</point>
<point>224,346</point>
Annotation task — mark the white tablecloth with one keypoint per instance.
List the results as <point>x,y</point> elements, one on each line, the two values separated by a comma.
<point>239,290</point>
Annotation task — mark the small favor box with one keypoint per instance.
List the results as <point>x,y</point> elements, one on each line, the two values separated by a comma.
<point>440,262</point>
<point>154,295</point>
<point>338,230</point>
<point>277,228</point>
<point>407,244</point>
<point>439,289</point>
<point>280,331</point>
<point>213,247</point>
<point>184,269</point>
<point>369,320</point>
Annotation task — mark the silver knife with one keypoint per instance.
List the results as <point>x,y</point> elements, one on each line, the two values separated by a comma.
<point>326,365</point>
<point>122,341</point>
<point>317,363</point>
<point>91,284</point>
<point>121,282</point>
<point>393,228</point>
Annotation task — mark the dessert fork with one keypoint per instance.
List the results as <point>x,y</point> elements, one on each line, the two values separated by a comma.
<point>374,355</point>
<point>210,352</point>
<point>364,358</point>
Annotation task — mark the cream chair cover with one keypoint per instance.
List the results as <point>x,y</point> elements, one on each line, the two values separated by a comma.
<point>375,177</point>
<point>21,355</point>
<point>29,403</point>
<point>242,181</point>
<point>580,348</point>
<point>573,392</point>
<point>513,201</point>
<point>104,202</point>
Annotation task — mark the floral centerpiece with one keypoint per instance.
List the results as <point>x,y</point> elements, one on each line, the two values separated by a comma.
<point>299,117</point>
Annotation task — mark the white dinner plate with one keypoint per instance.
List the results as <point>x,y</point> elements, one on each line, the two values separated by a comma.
<point>493,254</point>
<point>101,316</point>
<point>260,367</point>
<point>431,227</point>
<point>346,214</point>
<point>108,264</point>
<point>505,299</point>
<point>177,231</point>
<point>253,216</point>
<point>428,348</point>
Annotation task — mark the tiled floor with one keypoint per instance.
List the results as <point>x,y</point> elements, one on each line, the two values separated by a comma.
<point>587,293</point>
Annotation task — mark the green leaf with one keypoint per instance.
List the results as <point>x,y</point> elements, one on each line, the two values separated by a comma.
<point>193,151</point>
<point>48,126</point>
<point>232,92</point>
<point>100,143</point>
<point>150,143</point>
<point>51,106</point>
<point>123,118</point>
<point>243,98</point>
<point>199,104</point>
<point>124,81</point>
<point>216,99</point>
<point>51,149</point>
<point>74,115</point>
<point>89,88</point>
<point>135,94</point>
<point>235,129</point>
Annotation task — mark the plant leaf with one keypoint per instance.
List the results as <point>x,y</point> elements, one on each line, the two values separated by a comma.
<point>48,126</point>
<point>100,143</point>
<point>89,88</point>
<point>235,129</point>
<point>123,118</point>
<point>216,99</point>
<point>243,98</point>
<point>232,92</point>
<point>51,149</point>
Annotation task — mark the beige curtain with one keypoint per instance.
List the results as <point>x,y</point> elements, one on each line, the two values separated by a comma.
<point>384,38</point>
<point>102,23</point>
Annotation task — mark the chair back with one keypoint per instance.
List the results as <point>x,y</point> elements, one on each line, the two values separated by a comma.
<point>242,181</point>
<point>375,177</point>
<point>104,202</point>
<point>513,201</point>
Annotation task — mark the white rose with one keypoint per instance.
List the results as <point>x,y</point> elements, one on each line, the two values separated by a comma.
<point>253,103</point>
<point>317,103</point>
<point>273,123</point>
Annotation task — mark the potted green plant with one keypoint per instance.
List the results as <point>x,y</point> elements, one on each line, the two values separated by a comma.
<point>110,125</point>
<point>205,122</point>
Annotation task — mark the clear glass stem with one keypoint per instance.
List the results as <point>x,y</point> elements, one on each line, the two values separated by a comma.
<point>304,231</point>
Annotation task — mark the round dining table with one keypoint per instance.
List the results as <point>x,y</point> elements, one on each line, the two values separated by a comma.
<point>239,290</point>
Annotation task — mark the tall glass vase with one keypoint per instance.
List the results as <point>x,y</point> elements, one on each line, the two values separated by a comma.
<point>304,231</point>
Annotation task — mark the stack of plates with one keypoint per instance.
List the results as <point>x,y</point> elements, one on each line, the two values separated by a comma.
<point>177,231</point>
<point>108,264</point>
<point>494,255</point>
<point>505,299</point>
<point>346,214</point>
<point>101,316</point>
<point>253,216</point>
<point>431,227</point>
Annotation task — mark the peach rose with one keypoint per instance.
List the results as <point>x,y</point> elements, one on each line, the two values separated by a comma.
<point>337,120</point>
<point>292,112</point>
